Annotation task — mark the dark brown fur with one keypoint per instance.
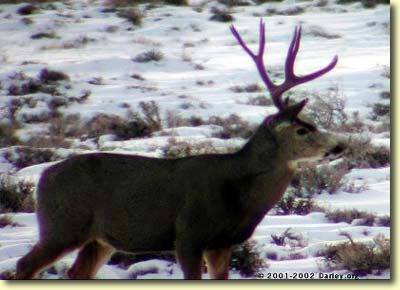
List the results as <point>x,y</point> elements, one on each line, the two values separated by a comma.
<point>198,206</point>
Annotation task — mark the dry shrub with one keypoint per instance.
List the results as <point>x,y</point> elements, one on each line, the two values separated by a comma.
<point>327,109</point>
<point>133,126</point>
<point>174,120</point>
<point>362,217</point>
<point>309,181</point>
<point>233,126</point>
<point>6,220</point>
<point>287,238</point>
<point>16,197</point>
<point>291,205</point>
<point>221,14</point>
<point>7,275</point>
<point>148,56</point>
<point>319,31</point>
<point>348,216</point>
<point>258,101</point>
<point>50,34</point>
<point>47,76</point>
<point>231,3</point>
<point>359,258</point>
<point>27,9</point>
<point>8,135</point>
<point>360,153</point>
<point>133,15</point>
<point>380,110</point>
<point>353,124</point>
<point>46,82</point>
<point>23,156</point>
<point>246,259</point>
<point>178,149</point>
<point>289,10</point>
<point>151,113</point>
<point>249,88</point>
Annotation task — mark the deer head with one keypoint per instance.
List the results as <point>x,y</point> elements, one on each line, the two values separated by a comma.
<point>297,138</point>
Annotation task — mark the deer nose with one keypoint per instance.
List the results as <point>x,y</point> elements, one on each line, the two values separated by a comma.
<point>337,149</point>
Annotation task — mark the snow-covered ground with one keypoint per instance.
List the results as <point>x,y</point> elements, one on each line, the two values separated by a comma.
<point>201,63</point>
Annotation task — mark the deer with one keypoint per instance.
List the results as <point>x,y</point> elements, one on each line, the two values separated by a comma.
<point>197,207</point>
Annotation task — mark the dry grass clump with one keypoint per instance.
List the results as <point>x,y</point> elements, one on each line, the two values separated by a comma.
<point>361,217</point>
<point>359,258</point>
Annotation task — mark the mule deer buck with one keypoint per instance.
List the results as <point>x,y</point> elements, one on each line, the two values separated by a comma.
<point>197,206</point>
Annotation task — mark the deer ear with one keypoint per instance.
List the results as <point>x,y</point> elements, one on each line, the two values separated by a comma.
<point>291,112</point>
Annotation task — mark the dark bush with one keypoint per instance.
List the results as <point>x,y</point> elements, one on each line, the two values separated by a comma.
<point>41,35</point>
<point>233,126</point>
<point>291,205</point>
<point>23,156</point>
<point>133,15</point>
<point>135,125</point>
<point>16,197</point>
<point>232,3</point>
<point>249,88</point>
<point>26,9</point>
<point>177,2</point>
<point>148,56</point>
<point>221,15</point>
<point>247,259</point>
<point>7,220</point>
<point>8,136</point>
<point>380,110</point>
<point>47,76</point>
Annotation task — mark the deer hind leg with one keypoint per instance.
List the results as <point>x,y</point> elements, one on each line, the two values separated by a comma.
<point>217,262</point>
<point>190,260</point>
<point>41,256</point>
<point>90,259</point>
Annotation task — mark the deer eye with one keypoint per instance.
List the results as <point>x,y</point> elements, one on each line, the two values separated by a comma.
<point>302,131</point>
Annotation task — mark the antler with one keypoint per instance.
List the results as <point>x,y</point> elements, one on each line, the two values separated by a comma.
<point>291,79</point>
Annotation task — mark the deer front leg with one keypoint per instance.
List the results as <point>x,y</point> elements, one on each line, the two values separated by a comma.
<point>189,258</point>
<point>217,262</point>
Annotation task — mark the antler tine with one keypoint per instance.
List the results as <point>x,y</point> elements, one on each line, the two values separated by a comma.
<point>259,61</point>
<point>291,79</point>
<point>292,53</point>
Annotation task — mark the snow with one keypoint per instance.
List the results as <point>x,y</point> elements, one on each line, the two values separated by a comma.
<point>181,32</point>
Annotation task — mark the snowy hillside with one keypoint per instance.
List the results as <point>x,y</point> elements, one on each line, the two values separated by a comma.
<point>167,81</point>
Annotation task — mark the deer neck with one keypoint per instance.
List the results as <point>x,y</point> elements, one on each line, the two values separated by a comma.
<point>266,169</point>
<point>259,156</point>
